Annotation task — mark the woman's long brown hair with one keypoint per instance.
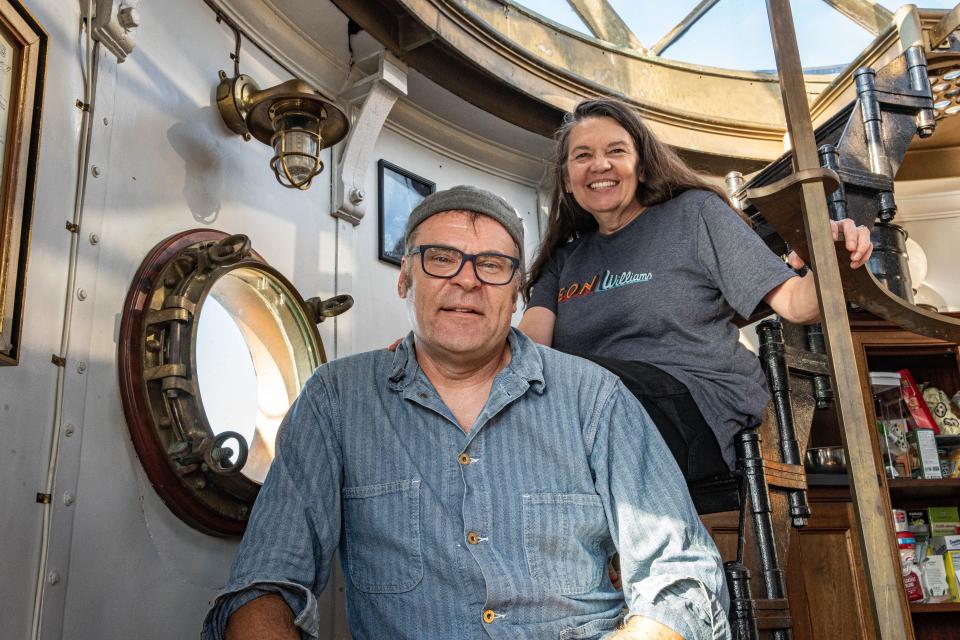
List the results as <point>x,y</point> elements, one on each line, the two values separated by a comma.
<point>661,174</point>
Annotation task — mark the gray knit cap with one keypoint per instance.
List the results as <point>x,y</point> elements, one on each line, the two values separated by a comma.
<point>466,198</point>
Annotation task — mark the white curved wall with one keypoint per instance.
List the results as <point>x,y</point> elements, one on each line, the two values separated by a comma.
<point>128,567</point>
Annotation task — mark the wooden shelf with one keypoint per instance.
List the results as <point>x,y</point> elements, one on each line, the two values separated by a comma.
<point>936,607</point>
<point>828,480</point>
<point>948,441</point>
<point>915,489</point>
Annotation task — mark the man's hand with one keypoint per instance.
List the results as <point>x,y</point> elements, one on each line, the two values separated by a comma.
<point>855,239</point>
<point>266,618</point>
<point>640,628</point>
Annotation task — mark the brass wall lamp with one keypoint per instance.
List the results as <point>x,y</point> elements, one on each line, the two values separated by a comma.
<point>291,117</point>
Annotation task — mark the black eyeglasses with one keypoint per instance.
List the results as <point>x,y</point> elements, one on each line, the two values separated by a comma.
<point>446,262</point>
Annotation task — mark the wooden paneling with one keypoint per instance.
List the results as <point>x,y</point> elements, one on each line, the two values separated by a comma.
<point>827,557</point>
<point>825,583</point>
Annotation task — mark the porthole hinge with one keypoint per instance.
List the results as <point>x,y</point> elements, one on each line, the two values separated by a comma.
<point>73,227</point>
<point>57,360</point>
<point>83,106</point>
<point>44,498</point>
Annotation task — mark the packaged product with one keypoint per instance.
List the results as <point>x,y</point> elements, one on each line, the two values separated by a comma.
<point>944,521</point>
<point>951,463</point>
<point>923,454</point>
<point>894,446</point>
<point>912,582</point>
<point>942,544</point>
<point>917,523</point>
<point>951,561</point>
<point>939,405</point>
<point>900,520</point>
<point>933,573</point>
<point>922,418</point>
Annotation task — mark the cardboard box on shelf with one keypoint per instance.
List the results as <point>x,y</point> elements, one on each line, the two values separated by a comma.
<point>942,544</point>
<point>923,455</point>
<point>917,523</point>
<point>944,521</point>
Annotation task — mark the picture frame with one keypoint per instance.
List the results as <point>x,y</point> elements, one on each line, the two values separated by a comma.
<point>23,48</point>
<point>399,192</point>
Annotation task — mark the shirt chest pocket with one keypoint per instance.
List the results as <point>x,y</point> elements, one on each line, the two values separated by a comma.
<point>564,538</point>
<point>382,526</point>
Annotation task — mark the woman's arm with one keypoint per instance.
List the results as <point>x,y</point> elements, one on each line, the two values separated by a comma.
<point>537,323</point>
<point>796,299</point>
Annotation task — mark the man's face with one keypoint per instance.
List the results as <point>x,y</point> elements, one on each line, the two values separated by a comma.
<point>459,317</point>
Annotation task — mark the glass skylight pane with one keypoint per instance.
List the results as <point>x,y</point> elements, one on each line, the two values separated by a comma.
<point>735,34</point>
<point>559,11</point>
<point>826,37</point>
<point>650,20</point>
<point>893,5</point>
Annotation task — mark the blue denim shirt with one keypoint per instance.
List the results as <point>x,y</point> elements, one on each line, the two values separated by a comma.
<point>502,532</point>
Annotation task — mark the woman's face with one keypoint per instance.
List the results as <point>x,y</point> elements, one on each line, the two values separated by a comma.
<point>601,168</point>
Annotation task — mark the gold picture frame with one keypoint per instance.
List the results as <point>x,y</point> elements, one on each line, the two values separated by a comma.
<point>23,44</point>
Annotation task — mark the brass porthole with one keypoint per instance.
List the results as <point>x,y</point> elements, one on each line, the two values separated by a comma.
<point>214,346</point>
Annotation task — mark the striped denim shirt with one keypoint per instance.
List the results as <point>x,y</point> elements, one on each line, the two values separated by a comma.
<point>501,532</point>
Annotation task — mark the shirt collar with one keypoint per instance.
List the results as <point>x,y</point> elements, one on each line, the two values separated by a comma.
<point>525,362</point>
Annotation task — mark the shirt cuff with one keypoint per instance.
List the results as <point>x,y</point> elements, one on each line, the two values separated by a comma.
<point>300,600</point>
<point>683,604</point>
<point>753,299</point>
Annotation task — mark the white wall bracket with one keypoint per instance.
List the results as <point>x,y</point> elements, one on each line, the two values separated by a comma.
<point>114,24</point>
<point>375,93</point>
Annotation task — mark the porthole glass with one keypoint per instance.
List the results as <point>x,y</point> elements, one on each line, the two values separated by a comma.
<point>215,345</point>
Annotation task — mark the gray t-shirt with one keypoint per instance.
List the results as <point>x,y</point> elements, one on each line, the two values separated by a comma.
<point>664,290</point>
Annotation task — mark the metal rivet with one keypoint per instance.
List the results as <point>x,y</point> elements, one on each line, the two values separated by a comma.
<point>68,430</point>
<point>95,171</point>
<point>68,498</point>
<point>53,577</point>
<point>81,367</point>
<point>94,238</point>
<point>81,294</point>
<point>105,122</point>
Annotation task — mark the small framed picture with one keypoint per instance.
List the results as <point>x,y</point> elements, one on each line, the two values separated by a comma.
<point>23,45</point>
<point>400,192</point>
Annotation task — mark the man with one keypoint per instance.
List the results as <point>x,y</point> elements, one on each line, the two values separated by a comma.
<point>475,483</point>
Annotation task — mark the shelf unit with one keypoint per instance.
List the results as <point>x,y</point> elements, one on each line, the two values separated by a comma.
<point>881,346</point>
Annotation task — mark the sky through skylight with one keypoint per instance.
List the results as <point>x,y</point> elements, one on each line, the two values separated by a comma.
<point>735,34</point>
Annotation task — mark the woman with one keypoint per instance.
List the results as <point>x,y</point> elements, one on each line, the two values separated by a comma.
<point>642,269</point>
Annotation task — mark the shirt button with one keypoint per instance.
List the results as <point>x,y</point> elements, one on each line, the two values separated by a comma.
<point>488,615</point>
<point>422,395</point>
<point>473,538</point>
<point>463,458</point>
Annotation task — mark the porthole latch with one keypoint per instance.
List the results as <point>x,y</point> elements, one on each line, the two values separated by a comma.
<point>321,309</point>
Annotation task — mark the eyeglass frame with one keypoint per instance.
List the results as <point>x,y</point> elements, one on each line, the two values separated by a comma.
<point>466,257</point>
